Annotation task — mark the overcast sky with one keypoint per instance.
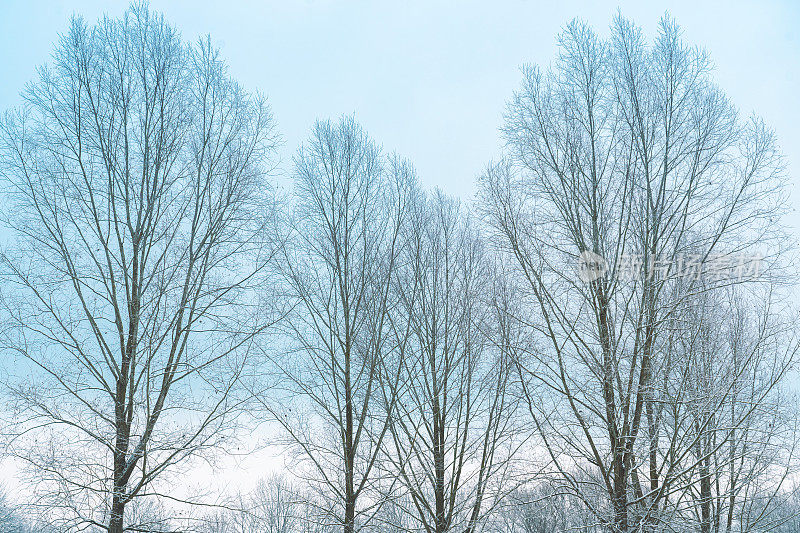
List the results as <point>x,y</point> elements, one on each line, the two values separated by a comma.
<point>430,79</point>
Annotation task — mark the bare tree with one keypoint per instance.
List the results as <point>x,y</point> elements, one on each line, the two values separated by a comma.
<point>274,506</point>
<point>740,422</point>
<point>339,264</point>
<point>540,509</point>
<point>790,513</point>
<point>134,173</point>
<point>12,520</point>
<point>623,155</point>
<point>452,426</point>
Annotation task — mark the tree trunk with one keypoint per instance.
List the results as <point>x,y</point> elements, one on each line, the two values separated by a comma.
<point>350,515</point>
<point>438,466</point>
<point>115,525</point>
<point>619,499</point>
<point>118,502</point>
<point>705,496</point>
<point>349,453</point>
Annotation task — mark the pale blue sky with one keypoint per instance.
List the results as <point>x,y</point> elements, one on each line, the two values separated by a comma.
<point>430,80</point>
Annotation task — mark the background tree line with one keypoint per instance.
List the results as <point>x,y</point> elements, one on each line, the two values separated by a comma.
<point>428,364</point>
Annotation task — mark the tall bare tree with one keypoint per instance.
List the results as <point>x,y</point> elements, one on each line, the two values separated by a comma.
<point>452,425</point>
<point>135,177</point>
<point>624,155</point>
<point>339,265</point>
